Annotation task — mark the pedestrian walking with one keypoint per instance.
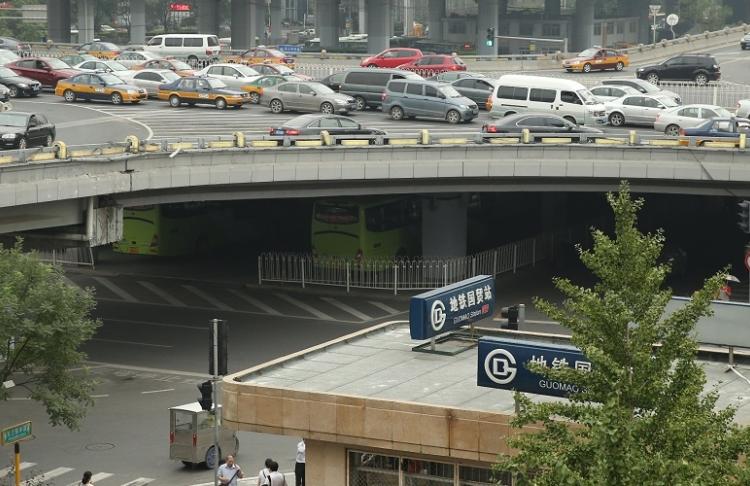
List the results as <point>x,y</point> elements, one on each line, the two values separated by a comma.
<point>86,479</point>
<point>276,478</point>
<point>299,464</point>
<point>264,473</point>
<point>230,472</point>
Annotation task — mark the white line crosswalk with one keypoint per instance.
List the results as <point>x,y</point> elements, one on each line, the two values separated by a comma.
<point>208,298</point>
<point>31,475</point>
<point>346,308</point>
<point>167,297</point>
<point>305,307</point>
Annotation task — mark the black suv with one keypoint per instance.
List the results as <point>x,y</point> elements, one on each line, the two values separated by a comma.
<point>700,68</point>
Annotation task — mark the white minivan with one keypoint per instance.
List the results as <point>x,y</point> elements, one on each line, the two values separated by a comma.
<point>193,47</point>
<point>569,99</point>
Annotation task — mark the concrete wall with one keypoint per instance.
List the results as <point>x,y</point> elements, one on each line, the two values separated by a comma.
<point>325,462</point>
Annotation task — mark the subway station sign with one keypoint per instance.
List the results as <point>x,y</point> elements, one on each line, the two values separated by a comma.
<point>15,433</point>
<point>502,363</point>
<point>448,308</point>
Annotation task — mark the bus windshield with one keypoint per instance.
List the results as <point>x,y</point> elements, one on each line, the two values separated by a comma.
<point>336,213</point>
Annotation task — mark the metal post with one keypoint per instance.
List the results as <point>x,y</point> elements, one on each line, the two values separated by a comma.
<point>731,356</point>
<point>533,252</point>
<point>716,94</point>
<point>432,343</point>
<point>215,380</point>
<point>348,269</point>
<point>521,314</point>
<point>515,256</point>
<point>494,264</point>
<point>260,278</point>
<point>17,463</point>
<point>302,267</point>
<point>395,279</point>
<point>445,274</point>
<point>473,266</point>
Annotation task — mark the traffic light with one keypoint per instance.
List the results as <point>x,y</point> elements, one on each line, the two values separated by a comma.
<point>490,36</point>
<point>510,313</point>
<point>744,215</point>
<point>205,400</point>
<point>222,329</point>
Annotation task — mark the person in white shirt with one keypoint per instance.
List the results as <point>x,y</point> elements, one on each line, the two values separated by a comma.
<point>264,473</point>
<point>229,472</point>
<point>299,464</point>
<point>276,478</point>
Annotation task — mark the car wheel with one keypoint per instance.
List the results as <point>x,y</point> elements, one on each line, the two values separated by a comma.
<point>326,108</point>
<point>571,120</point>
<point>701,79</point>
<point>48,141</point>
<point>220,103</point>
<point>22,144</point>
<point>212,458</point>
<point>361,103</point>
<point>13,91</point>
<point>397,113</point>
<point>453,117</point>
<point>276,106</point>
<point>652,78</point>
<point>69,96</point>
<point>616,119</point>
<point>116,98</point>
<point>587,68</point>
<point>254,98</point>
<point>672,130</point>
<point>619,66</point>
<point>174,101</point>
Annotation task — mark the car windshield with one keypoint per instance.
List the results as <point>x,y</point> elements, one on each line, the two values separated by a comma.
<point>722,112</point>
<point>245,70</point>
<point>275,53</point>
<point>284,69</point>
<point>587,97</point>
<point>170,76</point>
<point>450,92</point>
<point>12,120</point>
<point>56,64</point>
<point>5,72</point>
<point>116,66</point>
<point>321,88</point>
<point>216,84</point>
<point>649,87</point>
<point>181,66</point>
<point>667,101</point>
<point>110,79</point>
<point>588,52</point>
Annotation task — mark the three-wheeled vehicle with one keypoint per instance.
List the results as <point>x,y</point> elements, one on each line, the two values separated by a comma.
<point>191,436</point>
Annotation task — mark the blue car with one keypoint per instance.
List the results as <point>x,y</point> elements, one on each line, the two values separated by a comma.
<point>719,127</point>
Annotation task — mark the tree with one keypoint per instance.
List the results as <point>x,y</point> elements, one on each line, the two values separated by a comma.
<point>642,416</point>
<point>43,322</point>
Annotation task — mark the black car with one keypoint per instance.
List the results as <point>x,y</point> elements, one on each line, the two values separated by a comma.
<point>20,130</point>
<point>719,127</point>
<point>313,124</point>
<point>700,68</point>
<point>477,89</point>
<point>19,85</point>
<point>536,123</point>
<point>334,80</point>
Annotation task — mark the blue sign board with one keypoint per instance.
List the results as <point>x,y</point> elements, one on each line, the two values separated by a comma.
<point>451,307</point>
<point>502,364</point>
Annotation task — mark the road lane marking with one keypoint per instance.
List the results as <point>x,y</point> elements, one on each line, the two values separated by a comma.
<point>124,295</point>
<point>385,307</point>
<point>257,303</point>
<point>211,300</point>
<point>346,308</point>
<point>96,477</point>
<point>134,343</point>
<point>157,391</point>
<point>44,477</point>
<point>165,296</point>
<point>303,306</point>
<point>24,465</point>
<point>139,482</point>
<point>103,395</point>
<point>144,369</point>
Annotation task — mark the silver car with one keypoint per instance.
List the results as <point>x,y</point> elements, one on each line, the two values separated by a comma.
<point>233,75</point>
<point>306,96</point>
<point>611,92</point>
<point>743,109</point>
<point>637,109</point>
<point>687,116</point>
<point>133,58</point>
<point>151,79</point>
<point>643,86</point>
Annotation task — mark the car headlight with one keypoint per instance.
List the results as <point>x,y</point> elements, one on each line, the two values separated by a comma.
<point>341,102</point>
<point>132,91</point>
<point>9,136</point>
<point>640,70</point>
<point>22,85</point>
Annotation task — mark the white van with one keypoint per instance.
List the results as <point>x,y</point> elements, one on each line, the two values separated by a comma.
<point>569,99</point>
<point>193,47</point>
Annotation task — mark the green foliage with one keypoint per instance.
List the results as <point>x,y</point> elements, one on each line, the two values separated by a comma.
<point>43,322</point>
<point>702,15</point>
<point>25,31</point>
<point>643,417</point>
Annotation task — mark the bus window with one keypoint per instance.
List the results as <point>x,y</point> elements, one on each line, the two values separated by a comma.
<point>336,213</point>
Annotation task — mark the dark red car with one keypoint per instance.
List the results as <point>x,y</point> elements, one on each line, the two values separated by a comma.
<point>431,65</point>
<point>46,70</point>
<point>391,58</point>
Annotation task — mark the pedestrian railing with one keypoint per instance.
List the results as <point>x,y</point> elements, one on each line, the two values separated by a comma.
<point>82,256</point>
<point>408,273</point>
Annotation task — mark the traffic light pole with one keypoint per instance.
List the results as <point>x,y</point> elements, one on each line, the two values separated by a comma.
<point>215,382</point>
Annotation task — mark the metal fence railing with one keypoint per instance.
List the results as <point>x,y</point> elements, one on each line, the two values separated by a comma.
<point>83,256</point>
<point>404,273</point>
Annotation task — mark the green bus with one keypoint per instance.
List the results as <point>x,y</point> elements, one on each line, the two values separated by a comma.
<point>366,228</point>
<point>172,229</point>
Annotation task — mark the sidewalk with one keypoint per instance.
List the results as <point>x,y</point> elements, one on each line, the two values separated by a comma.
<point>254,481</point>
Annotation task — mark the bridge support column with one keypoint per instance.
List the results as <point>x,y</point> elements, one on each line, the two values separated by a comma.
<point>444,225</point>
<point>242,24</point>
<point>487,17</point>
<point>137,21</point>
<point>583,25</point>
<point>327,19</point>
<point>258,9</point>
<point>361,17</point>
<point>276,16</point>
<point>552,9</point>
<point>208,17</point>
<point>435,18</point>
<point>58,20</point>
<point>86,20</point>
<point>379,25</point>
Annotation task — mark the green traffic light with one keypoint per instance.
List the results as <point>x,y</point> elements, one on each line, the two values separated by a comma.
<point>489,43</point>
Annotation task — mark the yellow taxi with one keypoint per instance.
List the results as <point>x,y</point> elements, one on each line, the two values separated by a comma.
<point>596,58</point>
<point>99,86</point>
<point>262,55</point>
<point>197,90</point>
<point>100,50</point>
<point>255,88</point>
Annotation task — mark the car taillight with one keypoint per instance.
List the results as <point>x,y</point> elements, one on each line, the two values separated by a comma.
<point>171,437</point>
<point>292,131</point>
<point>490,129</point>
<point>195,439</point>
<point>682,132</point>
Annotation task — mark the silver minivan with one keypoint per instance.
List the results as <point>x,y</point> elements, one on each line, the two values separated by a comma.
<point>428,99</point>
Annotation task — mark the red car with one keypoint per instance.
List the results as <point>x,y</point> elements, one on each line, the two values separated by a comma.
<point>431,65</point>
<point>46,70</point>
<point>391,58</point>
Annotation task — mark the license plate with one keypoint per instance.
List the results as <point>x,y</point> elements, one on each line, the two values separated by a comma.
<point>278,131</point>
